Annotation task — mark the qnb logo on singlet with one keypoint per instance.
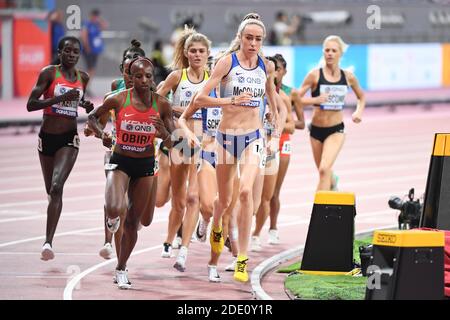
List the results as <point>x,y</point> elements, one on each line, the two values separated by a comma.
<point>257,94</point>
<point>136,126</point>
<point>65,108</point>
<point>136,136</point>
<point>336,96</point>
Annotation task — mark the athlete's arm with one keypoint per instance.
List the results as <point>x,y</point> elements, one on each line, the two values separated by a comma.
<point>111,103</point>
<point>171,84</point>
<point>43,83</point>
<point>353,81</point>
<point>165,114</point>
<point>271,91</point>
<point>85,104</point>
<point>308,84</point>
<point>187,114</point>
<point>298,109</point>
<point>220,70</point>
<point>289,125</point>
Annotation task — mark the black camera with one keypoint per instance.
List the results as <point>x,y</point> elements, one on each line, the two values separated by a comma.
<point>410,210</point>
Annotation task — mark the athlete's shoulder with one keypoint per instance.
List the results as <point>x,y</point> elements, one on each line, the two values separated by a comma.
<point>84,76</point>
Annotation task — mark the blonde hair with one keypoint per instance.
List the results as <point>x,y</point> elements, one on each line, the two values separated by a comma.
<point>236,43</point>
<point>342,45</point>
<point>188,37</point>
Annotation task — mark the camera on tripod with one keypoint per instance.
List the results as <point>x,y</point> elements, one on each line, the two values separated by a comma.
<point>410,210</point>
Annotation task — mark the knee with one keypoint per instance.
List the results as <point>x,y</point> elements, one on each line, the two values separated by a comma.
<point>223,203</point>
<point>178,205</point>
<point>207,208</point>
<point>56,189</point>
<point>192,199</point>
<point>245,196</point>
<point>114,210</point>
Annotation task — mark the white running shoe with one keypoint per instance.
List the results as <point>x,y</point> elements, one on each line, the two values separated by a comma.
<point>213,275</point>
<point>106,251</point>
<point>202,230</point>
<point>273,237</point>
<point>113,224</point>
<point>47,252</point>
<point>176,244</point>
<point>167,250</point>
<point>122,279</point>
<point>231,266</point>
<point>180,264</point>
<point>255,244</point>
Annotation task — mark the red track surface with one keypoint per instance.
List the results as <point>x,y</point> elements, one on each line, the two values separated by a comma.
<point>386,154</point>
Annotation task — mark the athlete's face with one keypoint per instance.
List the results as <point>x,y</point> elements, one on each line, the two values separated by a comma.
<point>197,55</point>
<point>142,75</point>
<point>126,76</point>
<point>70,53</point>
<point>331,52</point>
<point>129,55</point>
<point>278,74</point>
<point>252,37</point>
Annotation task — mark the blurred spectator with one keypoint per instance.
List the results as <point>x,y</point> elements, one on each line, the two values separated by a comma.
<point>56,20</point>
<point>159,62</point>
<point>283,30</point>
<point>92,40</point>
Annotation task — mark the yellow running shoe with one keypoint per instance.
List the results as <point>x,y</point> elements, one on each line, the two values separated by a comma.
<point>240,273</point>
<point>216,240</point>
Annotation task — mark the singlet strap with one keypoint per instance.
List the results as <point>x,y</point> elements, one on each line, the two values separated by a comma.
<point>262,64</point>
<point>154,105</point>
<point>128,100</point>
<point>184,75</point>
<point>57,72</point>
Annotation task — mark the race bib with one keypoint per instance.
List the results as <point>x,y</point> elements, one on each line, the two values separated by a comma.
<point>286,148</point>
<point>66,108</point>
<point>336,96</point>
<point>213,117</point>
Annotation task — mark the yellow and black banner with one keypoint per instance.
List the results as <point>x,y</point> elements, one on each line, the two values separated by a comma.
<point>436,212</point>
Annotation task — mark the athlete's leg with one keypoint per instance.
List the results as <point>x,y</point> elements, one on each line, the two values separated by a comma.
<point>331,147</point>
<point>64,161</point>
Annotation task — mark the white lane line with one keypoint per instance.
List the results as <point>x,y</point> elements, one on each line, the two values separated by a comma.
<point>38,202</point>
<point>34,253</point>
<point>78,231</point>
<point>68,290</point>
<point>67,186</point>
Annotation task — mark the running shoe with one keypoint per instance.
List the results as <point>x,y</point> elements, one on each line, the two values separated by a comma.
<point>176,244</point>
<point>201,230</point>
<point>113,224</point>
<point>232,265</point>
<point>47,252</point>
<point>255,244</point>
<point>106,251</point>
<point>167,250</point>
<point>216,240</point>
<point>240,273</point>
<point>180,264</point>
<point>213,275</point>
<point>273,237</point>
<point>122,279</point>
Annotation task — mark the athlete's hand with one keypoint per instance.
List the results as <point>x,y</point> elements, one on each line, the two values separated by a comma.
<point>87,105</point>
<point>106,139</point>
<point>356,117</point>
<point>159,125</point>
<point>71,95</point>
<point>87,131</point>
<point>243,98</point>
<point>192,140</point>
<point>322,98</point>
